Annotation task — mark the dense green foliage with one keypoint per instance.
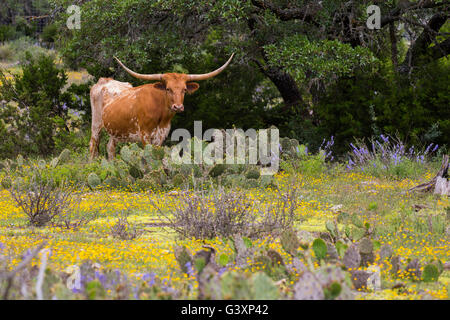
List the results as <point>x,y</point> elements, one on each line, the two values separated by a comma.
<point>35,117</point>
<point>374,103</point>
<point>312,69</point>
<point>20,18</point>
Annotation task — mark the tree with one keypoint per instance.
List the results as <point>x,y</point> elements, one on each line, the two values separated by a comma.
<point>35,108</point>
<point>301,48</point>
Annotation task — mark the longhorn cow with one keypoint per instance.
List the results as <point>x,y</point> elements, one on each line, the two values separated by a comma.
<point>139,113</point>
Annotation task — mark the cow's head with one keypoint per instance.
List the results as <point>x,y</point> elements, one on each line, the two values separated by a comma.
<point>176,85</point>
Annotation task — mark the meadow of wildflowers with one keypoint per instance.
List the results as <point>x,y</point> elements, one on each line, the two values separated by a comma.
<point>333,205</point>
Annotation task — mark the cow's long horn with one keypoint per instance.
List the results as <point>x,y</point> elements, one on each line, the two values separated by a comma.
<point>194,77</point>
<point>138,75</point>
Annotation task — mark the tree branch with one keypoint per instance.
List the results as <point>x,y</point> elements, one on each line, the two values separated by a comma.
<point>308,13</point>
<point>420,50</point>
<point>405,6</point>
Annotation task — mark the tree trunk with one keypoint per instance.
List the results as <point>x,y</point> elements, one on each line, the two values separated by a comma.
<point>440,183</point>
<point>394,49</point>
<point>285,83</point>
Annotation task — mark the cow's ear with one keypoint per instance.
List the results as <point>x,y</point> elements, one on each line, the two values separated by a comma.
<point>192,87</point>
<point>159,85</point>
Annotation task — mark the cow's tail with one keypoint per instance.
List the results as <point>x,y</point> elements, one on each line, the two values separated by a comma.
<point>96,121</point>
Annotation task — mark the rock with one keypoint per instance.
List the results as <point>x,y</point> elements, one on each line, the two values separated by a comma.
<point>336,208</point>
<point>305,236</point>
<point>442,186</point>
<point>308,287</point>
<point>447,266</point>
<point>352,258</point>
<point>374,280</point>
<point>73,282</point>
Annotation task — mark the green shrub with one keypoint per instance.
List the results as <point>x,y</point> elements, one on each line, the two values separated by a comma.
<point>36,108</point>
<point>6,52</point>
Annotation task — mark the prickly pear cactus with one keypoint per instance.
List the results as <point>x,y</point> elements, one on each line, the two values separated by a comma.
<point>157,153</point>
<point>6,182</point>
<point>178,180</point>
<point>126,154</point>
<point>308,287</point>
<point>289,242</point>
<point>93,180</point>
<point>136,172</point>
<point>105,164</point>
<point>42,164</point>
<point>64,156</point>
<point>386,252</point>
<point>352,258</point>
<point>263,287</point>
<point>253,173</point>
<point>430,273</point>
<point>366,251</point>
<point>183,257</point>
<point>217,170</point>
<point>54,162</point>
<point>121,168</point>
<point>19,160</point>
<point>111,182</point>
<point>332,229</point>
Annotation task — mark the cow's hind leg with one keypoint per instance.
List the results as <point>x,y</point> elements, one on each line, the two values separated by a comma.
<point>94,144</point>
<point>111,147</point>
<point>97,125</point>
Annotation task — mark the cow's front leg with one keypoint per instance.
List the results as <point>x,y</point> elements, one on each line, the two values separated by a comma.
<point>111,148</point>
<point>145,139</point>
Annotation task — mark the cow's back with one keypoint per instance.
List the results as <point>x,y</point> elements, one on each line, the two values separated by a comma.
<point>103,92</point>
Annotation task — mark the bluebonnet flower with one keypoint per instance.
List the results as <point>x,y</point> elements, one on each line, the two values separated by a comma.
<point>190,269</point>
<point>101,277</point>
<point>428,148</point>
<point>222,270</point>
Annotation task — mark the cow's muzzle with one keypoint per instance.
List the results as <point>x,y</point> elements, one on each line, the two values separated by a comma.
<point>177,108</point>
